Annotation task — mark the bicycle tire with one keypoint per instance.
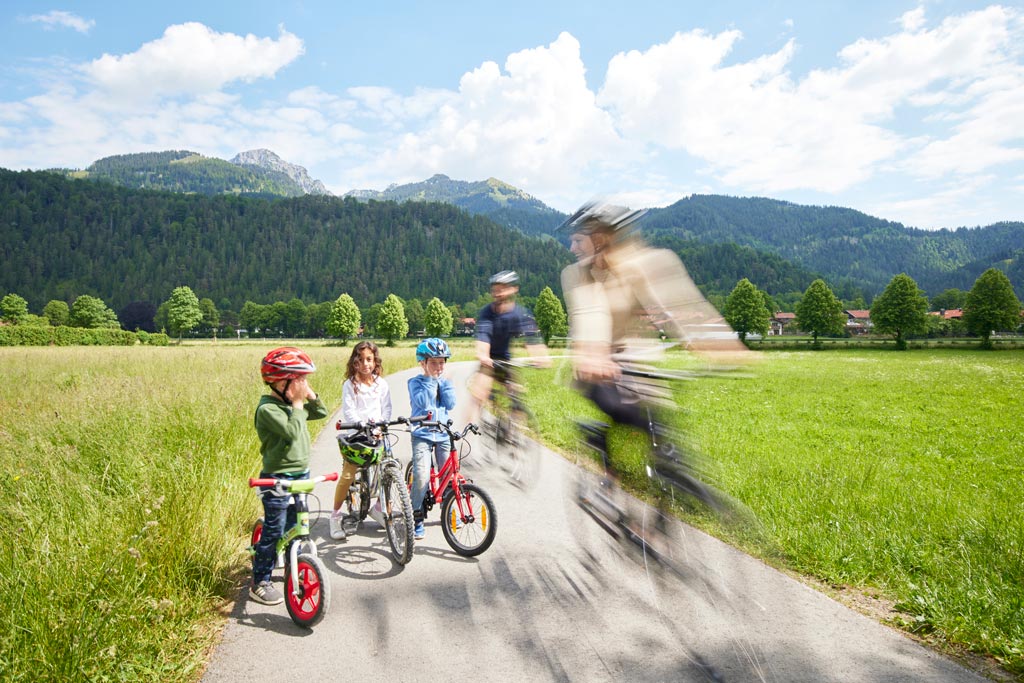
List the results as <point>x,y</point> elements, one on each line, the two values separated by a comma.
<point>256,535</point>
<point>520,458</point>
<point>398,520</point>
<point>360,489</point>
<point>469,538</point>
<point>309,606</point>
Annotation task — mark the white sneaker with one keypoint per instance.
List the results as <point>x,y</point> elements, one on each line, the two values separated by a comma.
<point>337,530</point>
<point>377,513</point>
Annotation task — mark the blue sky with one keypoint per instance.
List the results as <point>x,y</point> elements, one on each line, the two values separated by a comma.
<point>912,112</point>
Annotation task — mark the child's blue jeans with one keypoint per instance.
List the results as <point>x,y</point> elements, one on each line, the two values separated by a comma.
<point>278,515</point>
<point>421,449</point>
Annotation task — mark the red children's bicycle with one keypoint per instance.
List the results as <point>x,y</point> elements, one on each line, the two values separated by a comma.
<point>468,518</point>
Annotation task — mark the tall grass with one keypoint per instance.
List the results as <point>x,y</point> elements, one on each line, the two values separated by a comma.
<point>124,513</point>
<point>898,473</point>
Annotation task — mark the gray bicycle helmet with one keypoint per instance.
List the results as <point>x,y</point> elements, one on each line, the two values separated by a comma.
<point>505,277</point>
<point>598,215</point>
<point>359,449</point>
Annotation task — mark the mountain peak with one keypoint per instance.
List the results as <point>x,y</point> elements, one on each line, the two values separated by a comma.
<point>265,158</point>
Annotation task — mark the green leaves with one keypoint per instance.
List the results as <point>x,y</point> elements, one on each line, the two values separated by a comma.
<point>438,320</point>
<point>344,319</point>
<point>550,315</point>
<point>991,305</point>
<point>820,312</point>
<point>183,310</point>
<point>391,323</point>
<point>901,310</point>
<point>745,310</point>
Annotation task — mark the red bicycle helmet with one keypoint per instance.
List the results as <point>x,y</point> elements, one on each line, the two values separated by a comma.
<point>286,362</point>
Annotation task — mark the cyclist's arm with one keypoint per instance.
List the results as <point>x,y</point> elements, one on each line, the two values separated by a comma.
<point>483,353</point>
<point>669,295</point>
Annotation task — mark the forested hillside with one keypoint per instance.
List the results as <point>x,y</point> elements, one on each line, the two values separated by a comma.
<point>844,245</point>
<point>62,238</point>
<point>183,171</point>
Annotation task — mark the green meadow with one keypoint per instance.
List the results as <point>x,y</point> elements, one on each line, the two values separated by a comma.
<point>124,510</point>
<point>124,513</point>
<point>896,475</point>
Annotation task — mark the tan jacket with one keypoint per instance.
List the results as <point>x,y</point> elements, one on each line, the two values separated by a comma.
<point>642,290</point>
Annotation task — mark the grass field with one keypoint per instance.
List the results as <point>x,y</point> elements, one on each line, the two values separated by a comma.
<point>125,513</point>
<point>895,474</point>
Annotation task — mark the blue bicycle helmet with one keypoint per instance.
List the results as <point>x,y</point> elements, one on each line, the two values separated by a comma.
<point>432,348</point>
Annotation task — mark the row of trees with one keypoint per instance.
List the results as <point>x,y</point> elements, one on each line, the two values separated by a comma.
<point>900,311</point>
<point>185,313</point>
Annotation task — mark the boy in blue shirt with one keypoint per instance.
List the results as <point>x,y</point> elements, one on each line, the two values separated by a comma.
<point>429,392</point>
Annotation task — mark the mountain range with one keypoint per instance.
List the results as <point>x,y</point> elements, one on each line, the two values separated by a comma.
<point>498,200</point>
<point>778,245</point>
<point>257,172</point>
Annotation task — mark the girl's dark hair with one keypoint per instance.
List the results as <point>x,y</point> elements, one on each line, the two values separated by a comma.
<point>378,367</point>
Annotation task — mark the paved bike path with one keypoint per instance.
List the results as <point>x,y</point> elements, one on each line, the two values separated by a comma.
<point>555,599</point>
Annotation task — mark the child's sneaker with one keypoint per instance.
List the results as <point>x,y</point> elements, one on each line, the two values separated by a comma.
<point>337,528</point>
<point>265,593</point>
<point>418,531</point>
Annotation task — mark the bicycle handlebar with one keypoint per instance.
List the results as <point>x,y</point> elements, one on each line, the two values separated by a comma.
<point>284,483</point>
<point>447,428</point>
<point>363,426</point>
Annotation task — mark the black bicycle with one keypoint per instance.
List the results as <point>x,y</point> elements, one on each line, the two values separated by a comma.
<point>670,472</point>
<point>382,481</point>
<point>512,426</point>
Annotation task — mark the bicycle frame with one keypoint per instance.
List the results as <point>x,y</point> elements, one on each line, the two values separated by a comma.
<point>450,474</point>
<point>297,490</point>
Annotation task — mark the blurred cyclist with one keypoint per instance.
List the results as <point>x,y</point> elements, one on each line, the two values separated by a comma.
<point>619,291</point>
<point>496,325</point>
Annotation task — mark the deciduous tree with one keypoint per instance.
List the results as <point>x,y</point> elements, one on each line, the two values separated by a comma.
<point>991,306</point>
<point>13,308</point>
<point>550,315</point>
<point>746,311</point>
<point>90,311</point>
<point>58,312</point>
<point>344,319</point>
<point>438,320</point>
<point>901,310</point>
<point>391,323</point>
<point>820,312</point>
<point>183,311</point>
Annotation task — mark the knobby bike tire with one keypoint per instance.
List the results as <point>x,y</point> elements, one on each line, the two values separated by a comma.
<point>314,599</point>
<point>398,520</point>
<point>469,538</point>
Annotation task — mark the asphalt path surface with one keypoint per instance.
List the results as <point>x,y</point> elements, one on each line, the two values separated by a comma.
<point>555,598</point>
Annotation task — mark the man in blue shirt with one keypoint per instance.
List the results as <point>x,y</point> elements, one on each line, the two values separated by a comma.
<point>497,324</point>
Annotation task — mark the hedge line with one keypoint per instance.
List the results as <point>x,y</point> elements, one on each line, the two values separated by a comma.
<point>23,335</point>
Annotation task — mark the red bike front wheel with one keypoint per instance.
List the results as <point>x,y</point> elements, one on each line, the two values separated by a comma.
<point>471,531</point>
<point>309,603</point>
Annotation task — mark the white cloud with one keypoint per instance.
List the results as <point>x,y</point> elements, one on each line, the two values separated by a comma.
<point>949,205</point>
<point>56,18</point>
<point>191,59</point>
<point>761,129</point>
<point>534,124</point>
